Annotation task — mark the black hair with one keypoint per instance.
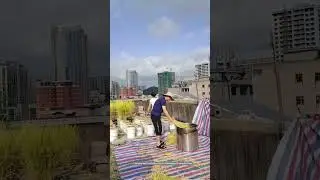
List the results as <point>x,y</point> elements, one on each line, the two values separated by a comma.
<point>153,94</point>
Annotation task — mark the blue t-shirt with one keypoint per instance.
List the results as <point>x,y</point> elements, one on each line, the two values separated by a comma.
<point>157,107</point>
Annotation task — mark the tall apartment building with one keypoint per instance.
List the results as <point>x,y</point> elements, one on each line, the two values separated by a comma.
<point>202,71</point>
<point>14,90</point>
<point>100,84</point>
<point>69,46</point>
<point>132,78</point>
<point>165,80</point>
<point>114,90</point>
<point>296,28</point>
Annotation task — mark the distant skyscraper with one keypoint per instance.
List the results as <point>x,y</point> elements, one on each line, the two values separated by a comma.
<point>132,78</point>
<point>296,28</point>
<point>165,80</point>
<point>69,45</point>
<point>202,70</point>
<point>15,86</point>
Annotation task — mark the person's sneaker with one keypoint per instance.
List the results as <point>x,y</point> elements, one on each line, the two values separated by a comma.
<point>162,145</point>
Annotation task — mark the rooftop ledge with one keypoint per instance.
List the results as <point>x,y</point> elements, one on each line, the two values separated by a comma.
<point>267,127</point>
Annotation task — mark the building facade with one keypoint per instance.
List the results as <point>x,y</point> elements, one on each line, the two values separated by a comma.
<point>299,81</point>
<point>100,84</point>
<point>70,52</point>
<point>296,28</point>
<point>202,71</point>
<point>14,90</point>
<point>165,80</point>
<point>126,92</point>
<point>114,90</point>
<point>132,79</point>
<point>57,95</point>
<point>200,88</point>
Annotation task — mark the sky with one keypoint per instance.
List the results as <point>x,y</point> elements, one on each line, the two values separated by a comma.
<point>145,35</point>
<point>25,32</point>
<point>153,36</point>
<point>245,25</point>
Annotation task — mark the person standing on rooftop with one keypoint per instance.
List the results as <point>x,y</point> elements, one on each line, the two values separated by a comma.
<point>158,108</point>
<point>152,101</point>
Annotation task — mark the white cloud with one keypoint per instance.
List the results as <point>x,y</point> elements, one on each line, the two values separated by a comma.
<point>148,67</point>
<point>164,27</point>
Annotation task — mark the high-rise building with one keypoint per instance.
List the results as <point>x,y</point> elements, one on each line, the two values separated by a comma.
<point>69,46</point>
<point>114,90</point>
<point>202,71</point>
<point>100,84</point>
<point>14,90</point>
<point>165,80</point>
<point>132,78</point>
<point>295,29</point>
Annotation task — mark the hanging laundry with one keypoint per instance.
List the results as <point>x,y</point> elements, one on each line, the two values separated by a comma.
<point>202,117</point>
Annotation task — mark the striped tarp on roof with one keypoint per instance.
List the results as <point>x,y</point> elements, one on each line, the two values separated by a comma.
<point>133,164</point>
<point>298,154</point>
<point>202,117</point>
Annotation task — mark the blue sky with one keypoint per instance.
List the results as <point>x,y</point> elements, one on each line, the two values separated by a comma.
<point>151,36</point>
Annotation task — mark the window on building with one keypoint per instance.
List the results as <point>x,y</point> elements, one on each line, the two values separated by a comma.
<point>251,90</point>
<point>317,76</point>
<point>208,85</point>
<point>299,78</point>
<point>203,86</point>
<point>243,90</point>
<point>234,90</point>
<point>299,100</point>
<point>318,100</point>
<point>203,93</point>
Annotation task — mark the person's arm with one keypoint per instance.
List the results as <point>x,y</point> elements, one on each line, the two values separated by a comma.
<point>166,113</point>
<point>149,107</point>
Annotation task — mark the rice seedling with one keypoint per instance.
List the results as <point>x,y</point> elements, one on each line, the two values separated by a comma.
<point>44,149</point>
<point>171,139</point>
<point>159,174</point>
<point>124,109</point>
<point>181,124</point>
<point>10,164</point>
<point>35,152</point>
<point>113,109</point>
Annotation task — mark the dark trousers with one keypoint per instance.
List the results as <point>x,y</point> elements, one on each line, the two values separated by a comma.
<point>156,120</point>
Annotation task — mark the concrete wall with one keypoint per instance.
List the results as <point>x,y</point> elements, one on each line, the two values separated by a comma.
<point>180,110</point>
<point>243,150</point>
<point>89,133</point>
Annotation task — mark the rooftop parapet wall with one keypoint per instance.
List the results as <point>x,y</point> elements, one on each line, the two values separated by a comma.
<point>180,110</point>
<point>243,149</point>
